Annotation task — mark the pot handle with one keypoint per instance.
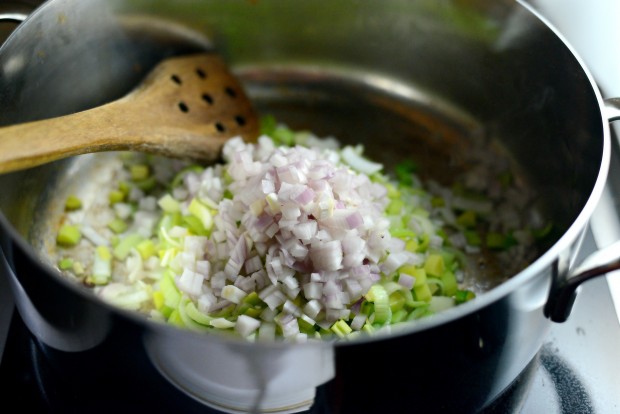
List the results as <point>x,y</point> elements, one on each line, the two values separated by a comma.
<point>14,12</point>
<point>597,264</point>
<point>612,109</point>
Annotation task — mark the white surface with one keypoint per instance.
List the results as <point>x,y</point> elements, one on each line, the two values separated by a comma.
<point>606,227</point>
<point>589,341</point>
<point>587,344</point>
<point>592,28</point>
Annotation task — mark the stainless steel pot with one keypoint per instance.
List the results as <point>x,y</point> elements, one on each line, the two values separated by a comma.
<point>354,68</point>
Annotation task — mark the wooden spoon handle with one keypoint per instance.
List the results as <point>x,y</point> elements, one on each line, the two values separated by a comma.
<point>187,107</point>
<point>104,128</point>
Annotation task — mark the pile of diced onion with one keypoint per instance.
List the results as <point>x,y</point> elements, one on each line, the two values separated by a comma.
<point>299,241</point>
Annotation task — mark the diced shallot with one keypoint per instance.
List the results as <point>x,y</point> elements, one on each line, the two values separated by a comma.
<point>246,325</point>
<point>406,280</point>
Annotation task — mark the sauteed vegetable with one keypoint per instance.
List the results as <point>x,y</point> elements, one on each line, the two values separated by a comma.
<point>295,237</point>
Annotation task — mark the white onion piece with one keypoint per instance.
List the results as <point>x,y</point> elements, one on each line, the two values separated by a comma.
<point>122,210</point>
<point>313,290</point>
<point>440,303</point>
<point>352,157</point>
<point>305,231</point>
<point>312,308</point>
<point>184,260</point>
<point>233,294</point>
<point>290,282</point>
<point>354,288</point>
<point>134,265</point>
<point>326,255</point>
<point>406,281</point>
<point>358,321</point>
<point>203,267</point>
<point>275,299</point>
<point>94,237</point>
<point>268,314</point>
<point>288,324</point>
<point>246,325</point>
<point>222,323</point>
<point>190,282</point>
<point>177,232</point>
<point>393,262</point>
<point>267,331</point>
<point>218,281</point>
<point>247,284</point>
<point>205,301</point>
<point>129,297</point>
<point>291,308</point>
<point>148,203</point>
<point>316,277</point>
<point>295,221</point>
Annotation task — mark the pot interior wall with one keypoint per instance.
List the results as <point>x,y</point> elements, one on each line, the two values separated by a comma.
<point>432,81</point>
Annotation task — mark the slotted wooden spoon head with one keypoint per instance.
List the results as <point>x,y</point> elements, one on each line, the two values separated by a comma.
<point>187,107</point>
<point>199,94</point>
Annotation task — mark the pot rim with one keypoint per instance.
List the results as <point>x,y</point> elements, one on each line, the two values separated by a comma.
<point>533,270</point>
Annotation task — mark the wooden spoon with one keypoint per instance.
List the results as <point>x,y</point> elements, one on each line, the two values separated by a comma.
<point>187,107</point>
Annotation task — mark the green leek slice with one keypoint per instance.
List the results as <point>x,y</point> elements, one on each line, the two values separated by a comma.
<point>69,235</point>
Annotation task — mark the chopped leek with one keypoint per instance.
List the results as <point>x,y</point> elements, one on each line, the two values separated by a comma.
<point>450,285</point>
<point>65,263</point>
<point>73,203</point>
<point>405,171</point>
<point>102,266</point>
<point>341,328</point>
<point>379,297</point>
<point>434,265</point>
<point>124,246</point>
<point>196,315</point>
<point>168,204</point>
<point>168,289</point>
<point>423,292</point>
<point>118,225</point>
<point>116,196</point>
<point>227,247</point>
<point>69,235</point>
<point>462,296</point>
<point>146,248</point>
<point>467,219</point>
<point>139,172</point>
<point>199,210</point>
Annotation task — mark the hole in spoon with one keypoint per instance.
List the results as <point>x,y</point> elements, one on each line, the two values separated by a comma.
<point>201,73</point>
<point>183,107</point>
<point>220,127</point>
<point>240,120</point>
<point>176,79</point>
<point>207,98</point>
<point>230,92</point>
